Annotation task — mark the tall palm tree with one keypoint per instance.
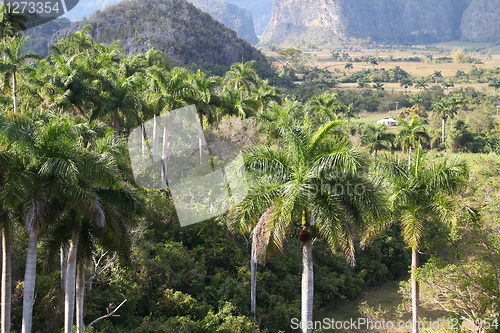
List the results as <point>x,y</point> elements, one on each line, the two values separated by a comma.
<point>376,138</point>
<point>436,75</point>
<point>13,175</point>
<point>349,66</point>
<point>412,135</point>
<point>301,181</point>
<point>418,196</point>
<point>15,63</point>
<point>445,109</point>
<point>495,84</point>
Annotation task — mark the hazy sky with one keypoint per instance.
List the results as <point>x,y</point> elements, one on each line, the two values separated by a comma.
<point>85,8</point>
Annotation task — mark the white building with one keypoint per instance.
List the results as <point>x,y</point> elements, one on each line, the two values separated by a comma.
<point>387,122</point>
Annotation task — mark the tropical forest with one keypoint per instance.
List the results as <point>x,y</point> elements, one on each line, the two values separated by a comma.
<point>371,175</point>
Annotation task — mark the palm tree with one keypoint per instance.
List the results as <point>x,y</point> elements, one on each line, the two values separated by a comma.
<point>301,182</point>
<point>14,62</point>
<point>495,84</point>
<point>444,109</point>
<point>117,102</point>
<point>413,134</point>
<point>238,103</point>
<point>379,86</point>
<point>376,138</point>
<point>436,75</point>
<point>265,94</point>
<point>12,181</point>
<point>79,42</point>
<point>447,84</point>
<point>406,83</point>
<point>421,83</point>
<point>362,83</point>
<point>242,76</point>
<point>11,23</point>
<point>418,195</point>
<point>326,106</point>
<point>349,66</point>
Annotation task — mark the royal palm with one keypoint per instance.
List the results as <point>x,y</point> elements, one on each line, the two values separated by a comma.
<point>312,179</point>
<point>418,196</point>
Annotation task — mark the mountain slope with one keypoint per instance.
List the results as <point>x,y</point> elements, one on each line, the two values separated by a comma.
<point>237,18</point>
<point>481,21</point>
<point>176,27</point>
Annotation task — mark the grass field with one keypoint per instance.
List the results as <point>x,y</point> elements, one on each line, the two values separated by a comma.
<point>490,56</point>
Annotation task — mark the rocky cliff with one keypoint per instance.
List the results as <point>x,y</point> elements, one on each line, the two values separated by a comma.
<point>481,21</point>
<point>237,18</point>
<point>390,21</point>
<point>261,12</point>
<point>179,29</point>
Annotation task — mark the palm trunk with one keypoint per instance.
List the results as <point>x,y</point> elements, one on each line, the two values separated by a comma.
<point>6,277</point>
<point>155,140</point>
<point>29,281</point>
<point>14,89</point>
<point>64,259</point>
<point>414,290</point>
<point>442,130</point>
<point>69,300</point>
<point>80,296</point>
<point>200,115</point>
<point>253,283</point>
<point>307,286</point>
<point>164,156</point>
<point>409,158</point>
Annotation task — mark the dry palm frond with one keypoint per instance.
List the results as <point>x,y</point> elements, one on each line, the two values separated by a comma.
<point>261,237</point>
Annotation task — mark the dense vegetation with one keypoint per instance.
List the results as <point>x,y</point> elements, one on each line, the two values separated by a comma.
<point>78,233</point>
<point>184,33</point>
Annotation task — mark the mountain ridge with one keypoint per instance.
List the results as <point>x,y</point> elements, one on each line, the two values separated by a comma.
<point>388,21</point>
<point>179,29</point>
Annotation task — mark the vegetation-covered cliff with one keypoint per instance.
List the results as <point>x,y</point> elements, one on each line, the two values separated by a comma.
<point>237,18</point>
<point>390,21</point>
<point>179,29</point>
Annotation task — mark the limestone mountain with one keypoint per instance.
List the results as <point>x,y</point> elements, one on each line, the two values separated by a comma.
<point>261,12</point>
<point>390,21</point>
<point>237,18</point>
<point>481,21</point>
<point>179,29</point>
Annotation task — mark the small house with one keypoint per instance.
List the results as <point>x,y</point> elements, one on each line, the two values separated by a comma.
<point>387,122</point>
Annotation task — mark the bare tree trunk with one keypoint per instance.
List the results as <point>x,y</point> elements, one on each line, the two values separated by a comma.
<point>80,295</point>
<point>69,300</point>
<point>6,277</point>
<point>253,284</point>
<point>64,259</point>
<point>414,290</point>
<point>29,281</point>
<point>307,286</point>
